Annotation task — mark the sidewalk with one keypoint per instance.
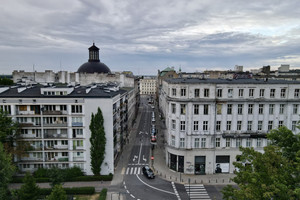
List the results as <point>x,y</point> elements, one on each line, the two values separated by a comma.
<point>161,169</point>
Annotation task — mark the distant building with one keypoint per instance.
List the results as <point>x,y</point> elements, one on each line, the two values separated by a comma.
<point>283,73</point>
<point>207,120</point>
<point>148,86</point>
<point>88,73</point>
<point>55,120</point>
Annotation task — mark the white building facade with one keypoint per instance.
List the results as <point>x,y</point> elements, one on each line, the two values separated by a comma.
<point>55,121</point>
<point>208,120</point>
<point>148,86</point>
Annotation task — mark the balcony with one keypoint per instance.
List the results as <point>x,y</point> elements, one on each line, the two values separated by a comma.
<point>52,112</point>
<point>30,159</point>
<point>62,124</point>
<point>63,159</point>
<point>78,158</point>
<point>77,124</point>
<point>78,148</point>
<point>55,135</point>
<point>56,147</point>
<point>27,112</point>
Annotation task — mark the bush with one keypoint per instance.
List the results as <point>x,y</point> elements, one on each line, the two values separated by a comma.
<point>71,191</point>
<point>41,173</point>
<point>92,178</point>
<point>103,194</point>
<point>73,172</point>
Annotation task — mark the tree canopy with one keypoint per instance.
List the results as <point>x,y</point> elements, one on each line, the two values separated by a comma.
<point>7,170</point>
<point>98,141</point>
<point>57,193</point>
<point>29,190</point>
<point>273,174</point>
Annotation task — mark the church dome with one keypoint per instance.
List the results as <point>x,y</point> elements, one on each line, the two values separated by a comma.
<point>93,65</point>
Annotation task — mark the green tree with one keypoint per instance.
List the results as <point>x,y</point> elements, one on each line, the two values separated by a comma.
<point>273,174</point>
<point>56,176</point>
<point>58,193</point>
<point>6,81</point>
<point>98,141</point>
<point>7,170</point>
<point>29,190</point>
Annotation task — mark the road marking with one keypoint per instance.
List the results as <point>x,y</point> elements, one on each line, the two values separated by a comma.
<point>127,171</point>
<point>131,170</point>
<point>139,170</point>
<point>175,191</point>
<point>135,170</point>
<point>197,191</point>
<point>132,196</point>
<point>140,153</point>
<point>144,159</point>
<point>134,157</point>
<point>154,187</point>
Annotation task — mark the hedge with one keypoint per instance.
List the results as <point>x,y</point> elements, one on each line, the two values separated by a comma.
<point>103,194</point>
<point>71,191</point>
<point>74,179</point>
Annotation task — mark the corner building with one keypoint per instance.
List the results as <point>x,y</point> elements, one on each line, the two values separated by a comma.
<point>55,121</point>
<point>208,120</point>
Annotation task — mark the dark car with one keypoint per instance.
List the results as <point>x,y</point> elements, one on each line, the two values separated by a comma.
<point>153,139</point>
<point>147,171</point>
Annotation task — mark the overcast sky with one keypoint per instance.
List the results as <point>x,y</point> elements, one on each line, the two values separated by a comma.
<point>144,36</point>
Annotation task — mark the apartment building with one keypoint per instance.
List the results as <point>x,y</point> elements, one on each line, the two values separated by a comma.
<point>208,120</point>
<point>148,85</point>
<point>55,121</point>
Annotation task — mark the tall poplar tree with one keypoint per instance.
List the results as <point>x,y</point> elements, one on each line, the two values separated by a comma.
<point>98,141</point>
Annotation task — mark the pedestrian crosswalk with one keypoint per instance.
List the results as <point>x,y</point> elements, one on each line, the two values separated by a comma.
<point>133,170</point>
<point>196,192</point>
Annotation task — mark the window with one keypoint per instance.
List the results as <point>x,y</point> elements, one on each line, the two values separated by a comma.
<point>248,142</point>
<point>280,124</point>
<point>219,109</point>
<point>197,92</point>
<point>295,109</point>
<point>250,109</point>
<point>206,92</point>
<point>260,108</point>
<point>173,124</point>
<point>239,125</point>
<point>272,93</point>
<point>241,92</point>
<point>229,109</point>
<point>196,125</point>
<point>205,125</point>
<point>196,109</point>
<point>78,143</point>
<point>218,143</point>
<point>205,109</point>
<point>238,142</point>
<point>227,142</point>
<point>230,93</point>
<point>240,109</point>
<point>251,92</point>
<point>249,126</point>
<point>64,153</point>
<point>64,142</point>
<point>259,125</point>
<point>182,142</point>
<point>182,109</point>
<point>258,142</point>
<point>294,125</point>
<point>281,109</point>
<point>218,125</point>
<point>183,92</point>
<point>24,131</point>
<point>182,125</point>
<point>173,91</point>
<point>282,93</point>
<point>270,125</point>
<point>173,108</point>
<point>196,143</point>
<point>219,92</point>
<point>5,108</point>
<point>261,92</point>
<point>271,109</point>
<point>173,140</point>
<point>203,142</point>
<point>228,125</point>
<point>76,109</point>
<point>296,93</point>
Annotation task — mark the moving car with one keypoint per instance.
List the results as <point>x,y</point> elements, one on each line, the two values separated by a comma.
<point>153,138</point>
<point>147,171</point>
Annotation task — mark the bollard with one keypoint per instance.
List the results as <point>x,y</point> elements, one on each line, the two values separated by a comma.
<point>165,176</point>
<point>209,181</point>
<point>195,181</point>
<point>176,178</point>
<point>170,177</point>
<point>223,180</point>
<point>201,181</point>
<point>216,180</point>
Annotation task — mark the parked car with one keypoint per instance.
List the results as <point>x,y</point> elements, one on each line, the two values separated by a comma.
<point>153,138</point>
<point>147,171</point>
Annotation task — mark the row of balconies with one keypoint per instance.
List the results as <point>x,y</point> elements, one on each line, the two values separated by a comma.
<point>55,124</point>
<point>46,112</point>
<point>55,159</point>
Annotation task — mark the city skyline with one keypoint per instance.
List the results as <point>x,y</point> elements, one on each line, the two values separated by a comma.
<point>145,37</point>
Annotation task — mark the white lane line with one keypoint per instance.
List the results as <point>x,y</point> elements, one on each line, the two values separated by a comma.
<point>175,191</point>
<point>131,170</point>
<point>127,171</point>
<point>139,170</point>
<point>140,153</point>
<point>135,170</point>
<point>132,196</point>
<point>154,187</point>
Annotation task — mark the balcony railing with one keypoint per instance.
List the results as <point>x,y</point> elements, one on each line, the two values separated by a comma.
<point>52,112</point>
<point>56,125</point>
<point>77,124</point>
<point>55,135</point>
<point>78,158</point>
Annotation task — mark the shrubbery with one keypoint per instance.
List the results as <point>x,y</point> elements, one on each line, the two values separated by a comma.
<point>73,191</point>
<point>103,194</point>
<point>67,173</point>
